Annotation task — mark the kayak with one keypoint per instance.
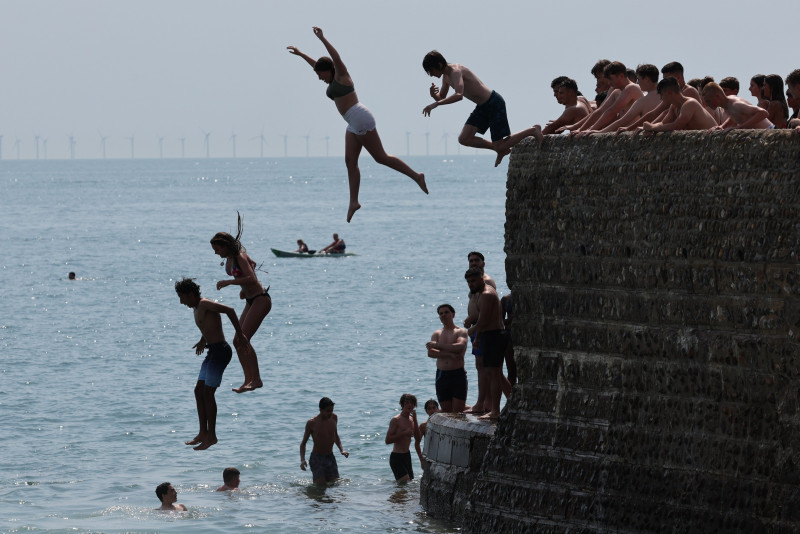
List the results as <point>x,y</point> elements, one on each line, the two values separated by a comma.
<point>287,254</point>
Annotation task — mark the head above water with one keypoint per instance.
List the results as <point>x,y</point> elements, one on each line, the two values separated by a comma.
<point>162,489</point>
<point>229,474</point>
<point>431,405</point>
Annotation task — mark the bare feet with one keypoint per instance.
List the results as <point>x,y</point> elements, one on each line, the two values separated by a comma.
<point>195,440</point>
<point>537,134</point>
<point>354,207</point>
<point>491,416</point>
<point>421,182</point>
<point>206,444</point>
<point>500,155</point>
<point>475,409</point>
<point>247,386</point>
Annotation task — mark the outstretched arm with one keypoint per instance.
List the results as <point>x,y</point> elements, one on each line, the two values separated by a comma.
<point>296,51</point>
<point>338,64</point>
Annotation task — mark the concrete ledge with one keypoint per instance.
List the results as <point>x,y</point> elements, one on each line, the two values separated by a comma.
<point>455,445</point>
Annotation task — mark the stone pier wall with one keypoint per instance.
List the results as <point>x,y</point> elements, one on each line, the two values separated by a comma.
<point>455,445</point>
<point>656,287</point>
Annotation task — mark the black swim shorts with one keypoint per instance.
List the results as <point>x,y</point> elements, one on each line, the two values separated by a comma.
<point>451,384</point>
<point>493,344</point>
<point>491,115</point>
<point>400,462</point>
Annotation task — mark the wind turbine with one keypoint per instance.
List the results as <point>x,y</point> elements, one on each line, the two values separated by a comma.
<point>17,142</point>
<point>327,139</point>
<point>131,138</point>
<point>307,136</point>
<point>103,143</point>
<point>233,140</point>
<point>263,141</point>
<point>206,142</point>
<point>71,146</point>
<point>36,138</point>
<point>445,135</point>
<point>183,146</point>
<point>285,145</point>
<point>408,143</point>
<point>160,147</point>
<point>427,144</point>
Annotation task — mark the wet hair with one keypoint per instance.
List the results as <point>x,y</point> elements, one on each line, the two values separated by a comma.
<point>433,60</point>
<point>323,64</point>
<point>475,253</point>
<point>569,83</point>
<point>670,83</point>
<point>793,78</point>
<point>473,272</point>
<point>731,82</point>
<point>408,397</point>
<point>632,76</point>
<point>431,403</point>
<point>558,81</point>
<point>162,489</point>
<point>229,473</point>
<point>72,275</point>
<point>452,310</point>
<point>187,287</point>
<point>230,243</point>
<point>672,68</point>
<point>647,71</point>
<point>615,67</point>
<point>597,70</point>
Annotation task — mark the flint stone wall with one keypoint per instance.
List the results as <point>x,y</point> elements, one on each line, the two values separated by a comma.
<point>455,445</point>
<point>656,325</point>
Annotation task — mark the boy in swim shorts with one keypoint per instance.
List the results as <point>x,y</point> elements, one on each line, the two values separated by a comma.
<point>402,428</point>
<point>322,428</point>
<point>207,316</point>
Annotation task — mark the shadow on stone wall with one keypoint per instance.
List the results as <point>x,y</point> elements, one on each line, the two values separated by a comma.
<point>656,287</point>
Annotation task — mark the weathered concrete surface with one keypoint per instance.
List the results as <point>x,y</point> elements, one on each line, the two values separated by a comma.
<point>656,286</point>
<point>455,445</point>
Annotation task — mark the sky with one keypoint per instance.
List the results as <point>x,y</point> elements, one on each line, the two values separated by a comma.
<point>172,73</point>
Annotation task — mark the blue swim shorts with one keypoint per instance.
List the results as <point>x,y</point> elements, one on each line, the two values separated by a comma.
<point>217,359</point>
<point>491,115</point>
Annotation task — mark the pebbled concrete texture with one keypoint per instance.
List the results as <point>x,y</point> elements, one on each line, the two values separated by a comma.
<point>656,288</point>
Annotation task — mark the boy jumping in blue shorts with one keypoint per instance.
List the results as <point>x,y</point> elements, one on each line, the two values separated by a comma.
<point>208,320</point>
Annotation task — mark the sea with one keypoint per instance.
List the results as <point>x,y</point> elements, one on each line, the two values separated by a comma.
<point>97,373</point>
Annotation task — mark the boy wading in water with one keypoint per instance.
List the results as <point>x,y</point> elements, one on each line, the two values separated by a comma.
<point>322,428</point>
<point>208,320</point>
<point>402,428</point>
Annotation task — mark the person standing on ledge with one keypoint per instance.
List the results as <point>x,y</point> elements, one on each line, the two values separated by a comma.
<point>490,108</point>
<point>447,346</point>
<point>361,130</point>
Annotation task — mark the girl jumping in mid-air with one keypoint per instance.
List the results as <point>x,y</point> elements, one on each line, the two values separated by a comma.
<point>258,302</point>
<point>361,132</point>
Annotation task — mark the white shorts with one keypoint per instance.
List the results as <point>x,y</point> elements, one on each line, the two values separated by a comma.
<point>359,119</point>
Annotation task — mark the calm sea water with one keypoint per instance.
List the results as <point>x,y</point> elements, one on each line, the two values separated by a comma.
<point>96,375</point>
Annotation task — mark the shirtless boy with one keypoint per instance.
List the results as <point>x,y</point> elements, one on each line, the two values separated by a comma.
<point>648,79</point>
<point>574,109</point>
<point>402,428</point>
<point>490,336</point>
<point>684,113</point>
<point>167,495</point>
<point>625,95</point>
<point>739,112</point>
<point>476,261</point>
<point>322,429</point>
<point>447,346</point>
<point>207,316</point>
<point>793,83</point>
<point>490,108</point>
<point>230,479</point>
